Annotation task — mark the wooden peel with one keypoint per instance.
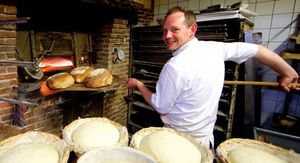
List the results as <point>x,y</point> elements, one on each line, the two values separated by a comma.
<point>255,83</point>
<point>46,91</point>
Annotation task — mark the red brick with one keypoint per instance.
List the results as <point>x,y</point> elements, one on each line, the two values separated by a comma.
<point>7,110</point>
<point>7,48</point>
<point>6,117</point>
<point>2,69</point>
<point>7,41</point>
<point>29,127</point>
<point>33,120</point>
<point>6,53</point>
<point>4,104</point>
<point>8,121</point>
<point>8,34</point>
<point>8,26</point>
<point>8,9</point>
<point>11,68</point>
<point>8,76</point>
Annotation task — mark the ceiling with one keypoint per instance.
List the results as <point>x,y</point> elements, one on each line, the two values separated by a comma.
<point>73,14</point>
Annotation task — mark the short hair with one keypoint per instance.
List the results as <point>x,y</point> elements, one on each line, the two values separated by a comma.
<point>189,15</point>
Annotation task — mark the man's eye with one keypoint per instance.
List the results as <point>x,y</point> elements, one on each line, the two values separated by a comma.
<point>174,30</point>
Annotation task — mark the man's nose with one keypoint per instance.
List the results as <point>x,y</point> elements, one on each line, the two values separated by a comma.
<point>168,34</point>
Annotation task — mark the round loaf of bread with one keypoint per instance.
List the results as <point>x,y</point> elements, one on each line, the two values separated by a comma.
<point>80,73</point>
<point>238,150</point>
<point>60,80</point>
<point>98,78</point>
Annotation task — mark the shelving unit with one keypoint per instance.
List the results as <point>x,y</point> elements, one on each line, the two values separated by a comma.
<point>148,55</point>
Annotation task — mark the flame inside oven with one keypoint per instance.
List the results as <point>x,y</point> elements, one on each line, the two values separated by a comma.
<point>56,63</point>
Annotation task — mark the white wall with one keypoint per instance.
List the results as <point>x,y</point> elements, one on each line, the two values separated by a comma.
<point>277,20</point>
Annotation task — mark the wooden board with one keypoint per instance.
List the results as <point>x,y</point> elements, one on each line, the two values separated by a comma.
<point>81,87</point>
<point>117,81</point>
<point>235,82</point>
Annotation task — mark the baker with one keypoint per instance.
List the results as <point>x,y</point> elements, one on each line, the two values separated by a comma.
<point>191,82</point>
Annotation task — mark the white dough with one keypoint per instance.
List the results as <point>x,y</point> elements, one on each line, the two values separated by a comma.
<point>33,152</point>
<point>168,147</point>
<point>96,134</point>
<point>118,161</point>
<point>243,154</point>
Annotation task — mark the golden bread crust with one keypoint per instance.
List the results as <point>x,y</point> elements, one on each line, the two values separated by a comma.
<point>60,81</point>
<point>80,73</point>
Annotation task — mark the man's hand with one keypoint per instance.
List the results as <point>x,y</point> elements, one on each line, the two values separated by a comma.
<point>132,83</point>
<point>289,83</point>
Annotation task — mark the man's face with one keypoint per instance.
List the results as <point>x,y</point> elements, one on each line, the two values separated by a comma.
<point>176,32</point>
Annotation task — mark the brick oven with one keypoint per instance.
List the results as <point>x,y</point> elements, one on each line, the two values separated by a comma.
<point>86,32</point>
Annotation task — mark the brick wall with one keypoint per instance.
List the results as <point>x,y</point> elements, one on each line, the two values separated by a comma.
<point>48,117</point>
<point>110,37</point>
<point>45,117</point>
<point>145,15</point>
<point>8,74</point>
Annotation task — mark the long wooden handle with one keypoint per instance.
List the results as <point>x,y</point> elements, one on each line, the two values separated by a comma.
<point>255,83</point>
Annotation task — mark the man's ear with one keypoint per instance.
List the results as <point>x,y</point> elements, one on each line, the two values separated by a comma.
<point>194,28</point>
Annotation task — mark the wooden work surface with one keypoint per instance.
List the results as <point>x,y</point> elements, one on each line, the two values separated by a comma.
<point>117,81</point>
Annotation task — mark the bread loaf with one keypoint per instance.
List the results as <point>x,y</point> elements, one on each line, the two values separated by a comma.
<point>98,78</point>
<point>80,73</point>
<point>60,80</point>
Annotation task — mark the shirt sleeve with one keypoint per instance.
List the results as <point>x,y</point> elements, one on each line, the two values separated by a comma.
<point>239,51</point>
<point>168,89</point>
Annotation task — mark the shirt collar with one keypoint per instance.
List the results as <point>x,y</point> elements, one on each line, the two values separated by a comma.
<point>185,46</point>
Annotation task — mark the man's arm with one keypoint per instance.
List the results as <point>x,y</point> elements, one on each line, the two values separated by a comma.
<point>287,74</point>
<point>136,84</point>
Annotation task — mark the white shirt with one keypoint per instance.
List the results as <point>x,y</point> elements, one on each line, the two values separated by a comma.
<point>191,83</point>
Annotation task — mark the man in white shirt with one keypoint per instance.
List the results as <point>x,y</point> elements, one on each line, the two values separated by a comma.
<point>191,82</point>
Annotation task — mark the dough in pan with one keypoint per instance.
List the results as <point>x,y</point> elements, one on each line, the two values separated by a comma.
<point>168,147</point>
